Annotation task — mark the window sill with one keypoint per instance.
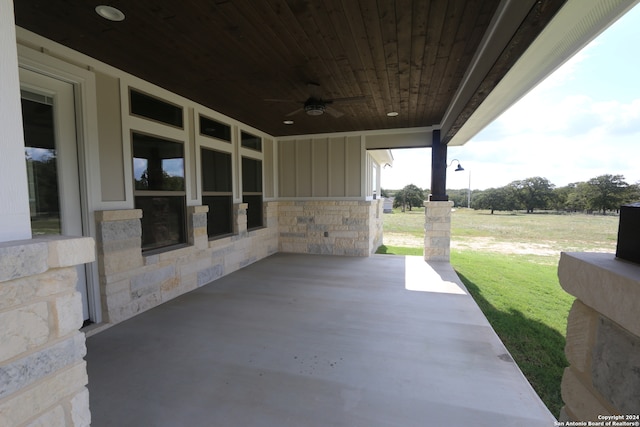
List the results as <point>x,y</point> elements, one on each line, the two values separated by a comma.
<point>164,249</point>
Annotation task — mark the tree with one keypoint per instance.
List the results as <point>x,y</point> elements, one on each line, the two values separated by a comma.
<point>410,196</point>
<point>458,197</point>
<point>578,198</point>
<point>533,193</point>
<point>384,193</point>
<point>495,199</point>
<point>607,192</point>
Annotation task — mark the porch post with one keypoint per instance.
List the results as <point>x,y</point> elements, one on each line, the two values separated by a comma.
<point>14,195</point>
<point>438,169</point>
<point>437,227</point>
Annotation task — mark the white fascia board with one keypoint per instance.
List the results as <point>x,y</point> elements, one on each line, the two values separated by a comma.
<point>574,26</point>
<point>382,157</point>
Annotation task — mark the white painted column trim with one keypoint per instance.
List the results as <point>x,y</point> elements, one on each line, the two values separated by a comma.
<point>15,221</point>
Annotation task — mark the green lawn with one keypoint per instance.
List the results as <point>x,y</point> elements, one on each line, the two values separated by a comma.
<point>509,264</point>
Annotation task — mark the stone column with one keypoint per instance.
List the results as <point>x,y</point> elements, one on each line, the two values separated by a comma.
<point>603,337</point>
<point>240,219</point>
<point>197,226</point>
<point>43,375</point>
<point>437,230</point>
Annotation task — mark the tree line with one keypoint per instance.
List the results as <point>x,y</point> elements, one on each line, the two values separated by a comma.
<point>600,194</point>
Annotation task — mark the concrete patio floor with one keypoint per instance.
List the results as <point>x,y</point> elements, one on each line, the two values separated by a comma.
<point>306,340</point>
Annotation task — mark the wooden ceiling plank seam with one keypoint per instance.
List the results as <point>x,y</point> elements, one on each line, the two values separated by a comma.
<point>344,78</point>
<point>301,35</point>
<point>447,39</point>
<point>428,87</point>
<point>372,27</point>
<point>458,59</point>
<point>253,37</point>
<point>341,19</point>
<point>418,46</point>
<point>253,89</point>
<point>388,29</point>
<point>360,44</point>
<point>403,13</point>
<point>300,39</point>
<point>348,85</point>
<point>314,30</point>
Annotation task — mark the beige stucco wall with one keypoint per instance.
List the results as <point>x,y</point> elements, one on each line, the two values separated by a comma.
<point>111,156</point>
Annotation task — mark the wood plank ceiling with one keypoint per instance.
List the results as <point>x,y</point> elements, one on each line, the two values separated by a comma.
<point>407,56</point>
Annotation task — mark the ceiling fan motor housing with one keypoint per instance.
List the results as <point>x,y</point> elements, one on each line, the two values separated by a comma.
<point>314,107</point>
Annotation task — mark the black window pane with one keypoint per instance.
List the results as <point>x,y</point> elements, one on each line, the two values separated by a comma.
<point>163,219</point>
<point>42,169</point>
<point>251,141</point>
<point>254,211</point>
<point>220,216</point>
<point>216,170</point>
<point>158,164</point>
<point>155,109</point>
<point>215,129</point>
<point>251,175</point>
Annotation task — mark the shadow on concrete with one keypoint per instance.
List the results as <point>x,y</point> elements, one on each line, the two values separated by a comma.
<point>537,349</point>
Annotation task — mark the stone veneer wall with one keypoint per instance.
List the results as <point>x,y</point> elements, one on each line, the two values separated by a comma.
<point>603,337</point>
<point>131,282</point>
<point>437,231</point>
<point>328,227</point>
<point>43,375</point>
<point>376,222</point>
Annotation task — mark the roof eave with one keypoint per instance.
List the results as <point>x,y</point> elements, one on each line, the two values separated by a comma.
<point>573,27</point>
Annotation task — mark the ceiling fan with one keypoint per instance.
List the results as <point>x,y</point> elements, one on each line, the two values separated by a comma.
<point>315,105</point>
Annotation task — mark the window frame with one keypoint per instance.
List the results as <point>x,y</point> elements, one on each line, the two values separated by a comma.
<point>138,194</point>
<point>252,194</point>
<point>131,89</point>
<point>207,193</point>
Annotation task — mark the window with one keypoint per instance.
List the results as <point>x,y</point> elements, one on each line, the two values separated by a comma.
<point>215,129</point>
<point>155,109</point>
<point>251,141</point>
<point>158,167</point>
<point>252,191</point>
<point>217,191</point>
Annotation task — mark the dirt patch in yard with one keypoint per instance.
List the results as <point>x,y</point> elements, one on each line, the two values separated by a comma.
<point>489,244</point>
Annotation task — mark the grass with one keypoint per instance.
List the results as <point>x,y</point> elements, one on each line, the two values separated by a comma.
<point>519,293</point>
<point>528,310</point>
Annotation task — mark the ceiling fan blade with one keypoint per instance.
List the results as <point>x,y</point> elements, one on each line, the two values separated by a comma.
<point>293,113</point>
<point>347,100</point>
<point>333,112</point>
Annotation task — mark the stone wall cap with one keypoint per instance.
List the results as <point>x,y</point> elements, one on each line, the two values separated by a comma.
<point>198,209</point>
<point>118,215</point>
<point>429,203</point>
<point>21,258</point>
<point>608,285</point>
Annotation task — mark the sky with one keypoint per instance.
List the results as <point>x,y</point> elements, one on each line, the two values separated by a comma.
<point>581,122</point>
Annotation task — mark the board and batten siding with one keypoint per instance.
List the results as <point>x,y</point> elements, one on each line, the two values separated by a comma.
<point>320,167</point>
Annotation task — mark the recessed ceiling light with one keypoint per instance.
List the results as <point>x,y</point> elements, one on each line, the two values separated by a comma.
<point>288,122</point>
<point>110,13</point>
<point>392,113</point>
